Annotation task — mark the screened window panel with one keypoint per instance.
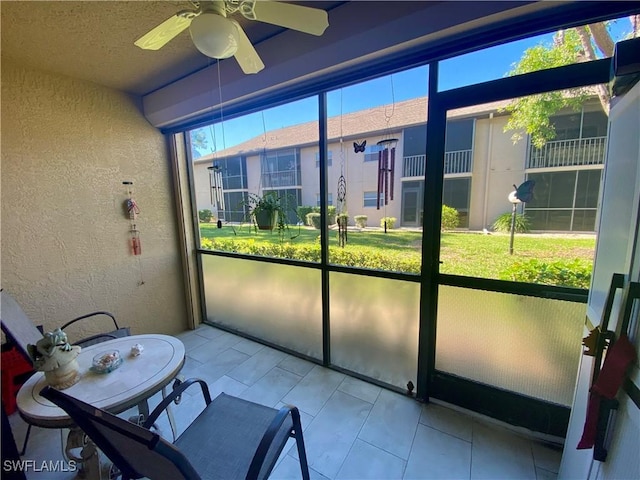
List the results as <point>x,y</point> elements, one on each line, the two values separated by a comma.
<point>594,124</point>
<point>584,220</point>
<point>553,189</point>
<point>234,207</point>
<point>567,126</point>
<point>456,193</point>
<point>278,303</point>
<point>233,183</point>
<point>414,140</point>
<point>550,219</point>
<point>527,345</point>
<point>588,188</point>
<point>374,327</point>
<point>459,135</point>
<point>291,197</point>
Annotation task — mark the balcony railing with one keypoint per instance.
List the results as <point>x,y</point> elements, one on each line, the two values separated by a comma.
<point>286,178</point>
<point>568,153</point>
<point>459,161</point>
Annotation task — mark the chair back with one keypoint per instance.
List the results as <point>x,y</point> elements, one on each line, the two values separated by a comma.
<point>136,451</point>
<point>17,325</point>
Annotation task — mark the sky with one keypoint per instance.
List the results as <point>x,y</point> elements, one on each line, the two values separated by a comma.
<point>481,66</point>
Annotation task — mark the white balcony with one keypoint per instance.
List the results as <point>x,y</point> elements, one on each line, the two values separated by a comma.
<point>568,153</point>
<point>459,161</point>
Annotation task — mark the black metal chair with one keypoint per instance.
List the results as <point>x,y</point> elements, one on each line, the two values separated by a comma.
<point>21,331</point>
<point>230,439</point>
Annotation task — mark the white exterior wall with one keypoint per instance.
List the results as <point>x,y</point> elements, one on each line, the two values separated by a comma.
<point>203,187</point>
<point>498,164</point>
<point>310,175</point>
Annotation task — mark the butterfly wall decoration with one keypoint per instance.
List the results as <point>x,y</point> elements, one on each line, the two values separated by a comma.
<point>359,147</point>
<point>524,192</point>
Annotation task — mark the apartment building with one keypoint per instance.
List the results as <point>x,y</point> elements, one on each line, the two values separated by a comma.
<point>482,164</point>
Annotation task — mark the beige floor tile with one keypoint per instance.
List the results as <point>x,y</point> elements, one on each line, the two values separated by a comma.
<point>498,454</point>
<point>392,423</point>
<point>366,462</point>
<point>436,455</point>
<point>256,366</point>
<point>272,387</point>
<point>314,389</point>
<point>331,434</point>
<point>447,421</point>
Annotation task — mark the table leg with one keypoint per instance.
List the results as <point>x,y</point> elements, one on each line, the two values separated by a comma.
<point>172,420</point>
<point>89,459</point>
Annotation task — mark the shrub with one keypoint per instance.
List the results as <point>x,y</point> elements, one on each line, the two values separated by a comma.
<point>503,223</point>
<point>331,214</point>
<point>352,257</point>
<point>205,215</point>
<point>390,221</point>
<point>361,220</point>
<point>563,273</point>
<point>343,218</point>
<point>303,210</point>
<point>450,218</point>
<point>313,219</point>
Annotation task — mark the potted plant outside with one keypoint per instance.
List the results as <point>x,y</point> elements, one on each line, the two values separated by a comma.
<point>269,211</point>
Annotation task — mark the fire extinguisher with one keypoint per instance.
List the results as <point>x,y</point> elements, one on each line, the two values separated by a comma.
<point>136,246</point>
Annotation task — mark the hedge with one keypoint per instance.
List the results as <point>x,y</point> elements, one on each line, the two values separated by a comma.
<point>352,257</point>
<point>563,273</point>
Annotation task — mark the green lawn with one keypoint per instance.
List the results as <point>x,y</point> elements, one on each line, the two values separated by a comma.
<point>462,253</point>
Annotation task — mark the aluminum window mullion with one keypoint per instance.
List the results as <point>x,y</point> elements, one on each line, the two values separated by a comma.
<point>432,207</point>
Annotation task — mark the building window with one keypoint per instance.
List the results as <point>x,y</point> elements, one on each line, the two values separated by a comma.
<point>281,168</point>
<point>371,152</point>
<point>234,172</point>
<point>329,159</point>
<point>369,199</point>
<point>329,199</point>
<point>234,204</point>
<point>565,201</point>
<point>456,194</point>
<point>292,199</point>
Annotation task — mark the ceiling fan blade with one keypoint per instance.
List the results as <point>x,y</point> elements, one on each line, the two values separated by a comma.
<point>246,55</point>
<point>166,31</point>
<point>304,19</point>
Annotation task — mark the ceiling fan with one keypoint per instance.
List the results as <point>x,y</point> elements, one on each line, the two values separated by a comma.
<point>218,36</point>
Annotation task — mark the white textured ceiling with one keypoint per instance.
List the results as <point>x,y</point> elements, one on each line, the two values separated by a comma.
<point>93,40</point>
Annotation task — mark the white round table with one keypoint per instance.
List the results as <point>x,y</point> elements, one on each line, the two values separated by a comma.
<point>137,379</point>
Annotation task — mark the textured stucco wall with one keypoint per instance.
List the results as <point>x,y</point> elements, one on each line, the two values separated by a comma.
<point>67,145</point>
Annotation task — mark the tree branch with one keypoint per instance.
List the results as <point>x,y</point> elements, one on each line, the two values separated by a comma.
<point>602,38</point>
<point>635,25</point>
<point>590,55</point>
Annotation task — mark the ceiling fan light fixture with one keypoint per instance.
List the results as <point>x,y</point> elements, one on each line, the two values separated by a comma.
<point>214,35</point>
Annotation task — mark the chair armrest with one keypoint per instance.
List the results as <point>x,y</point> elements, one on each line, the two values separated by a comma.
<point>269,436</point>
<point>88,315</point>
<point>176,392</point>
<point>99,338</point>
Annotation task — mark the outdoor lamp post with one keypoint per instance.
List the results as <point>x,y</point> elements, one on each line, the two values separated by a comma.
<point>514,203</point>
<point>521,194</point>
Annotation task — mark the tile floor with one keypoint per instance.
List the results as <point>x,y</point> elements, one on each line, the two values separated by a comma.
<point>352,429</point>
